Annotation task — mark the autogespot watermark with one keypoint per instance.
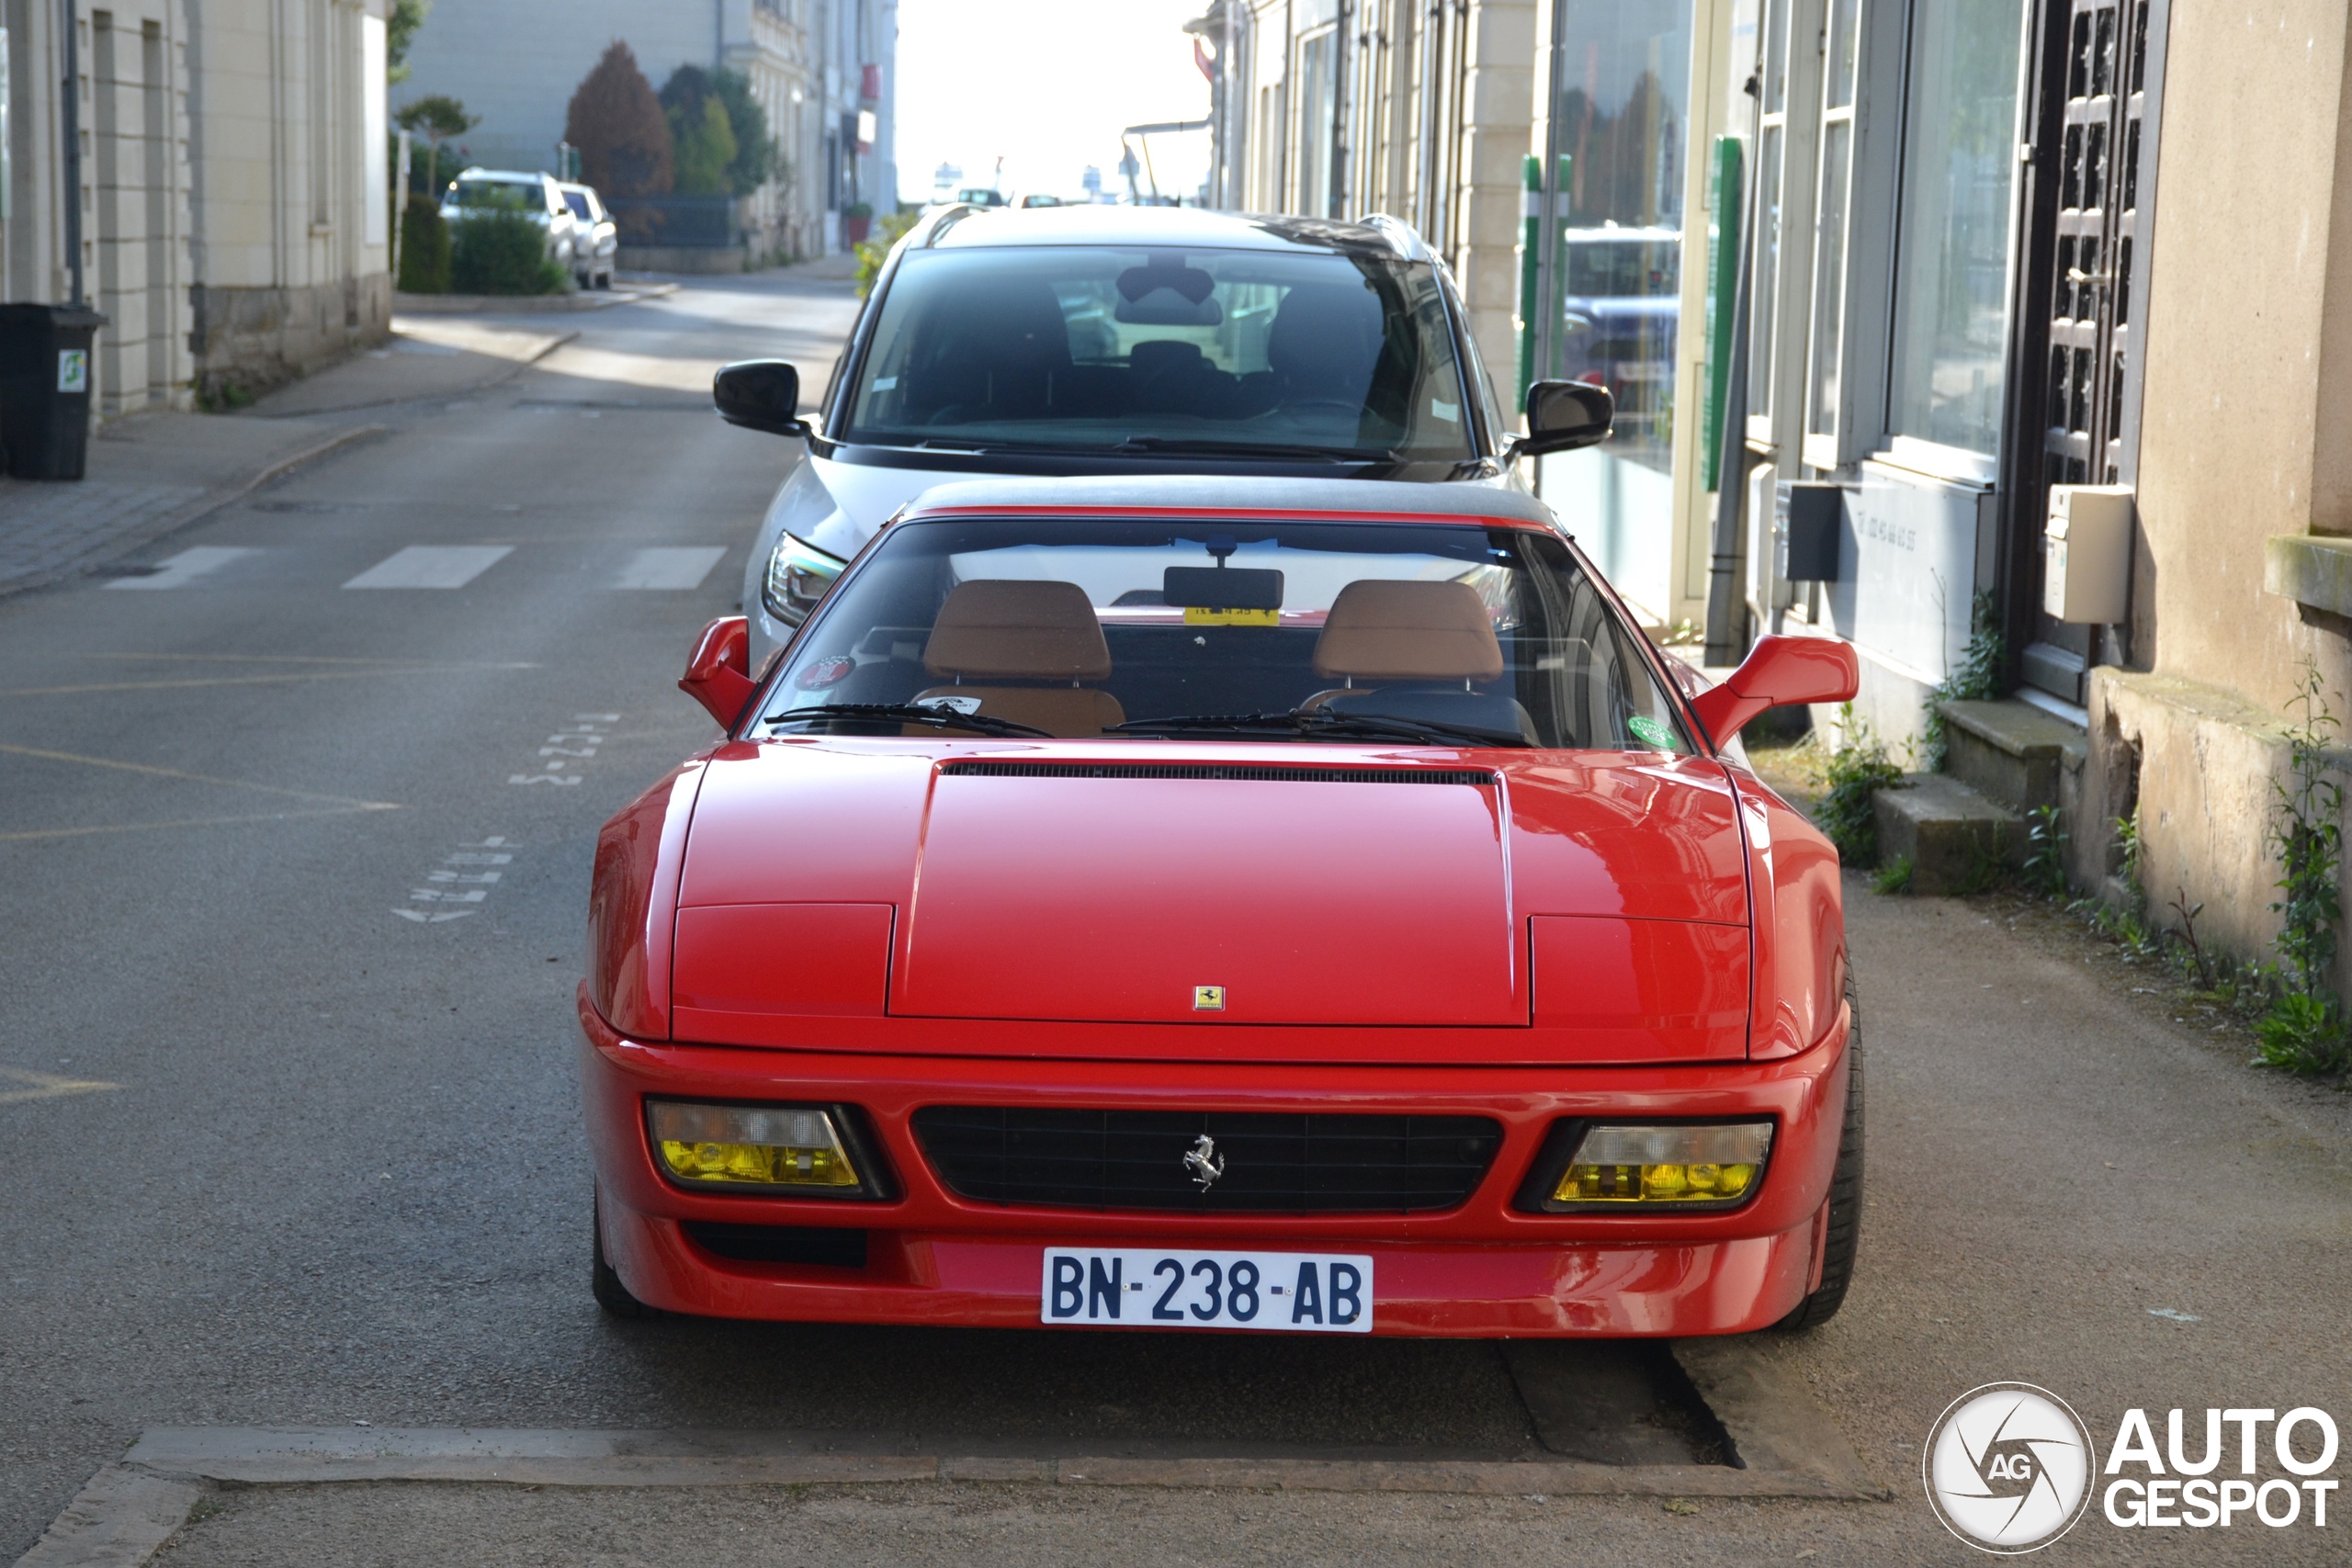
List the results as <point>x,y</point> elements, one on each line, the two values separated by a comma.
<point>2010,1468</point>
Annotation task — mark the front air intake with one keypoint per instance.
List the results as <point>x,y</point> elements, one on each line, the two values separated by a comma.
<point>1250,773</point>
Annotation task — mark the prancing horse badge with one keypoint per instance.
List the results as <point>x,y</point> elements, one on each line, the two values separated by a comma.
<point>1208,998</point>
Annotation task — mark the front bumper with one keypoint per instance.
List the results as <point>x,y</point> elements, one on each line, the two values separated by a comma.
<point>1481,1269</point>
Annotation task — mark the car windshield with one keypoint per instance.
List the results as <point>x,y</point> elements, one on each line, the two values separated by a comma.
<point>1225,352</point>
<point>1445,634</point>
<point>500,193</point>
<point>578,202</point>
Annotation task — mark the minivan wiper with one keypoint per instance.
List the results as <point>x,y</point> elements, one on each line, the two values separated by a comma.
<point>1211,447</point>
<point>1319,723</point>
<point>911,713</point>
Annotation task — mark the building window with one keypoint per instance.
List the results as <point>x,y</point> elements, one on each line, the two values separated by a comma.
<point>1953,262</point>
<point>1834,193</point>
<point>1316,121</point>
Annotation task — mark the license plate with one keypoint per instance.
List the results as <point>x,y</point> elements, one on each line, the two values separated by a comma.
<point>1296,1292</point>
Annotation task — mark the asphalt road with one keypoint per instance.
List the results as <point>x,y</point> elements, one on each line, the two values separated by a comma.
<point>313,1155</point>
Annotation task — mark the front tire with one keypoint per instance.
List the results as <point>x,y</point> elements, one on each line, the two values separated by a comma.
<point>1845,1190</point>
<point>605,1282</point>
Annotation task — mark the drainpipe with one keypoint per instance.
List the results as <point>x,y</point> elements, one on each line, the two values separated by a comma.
<point>71,112</point>
<point>1727,636</point>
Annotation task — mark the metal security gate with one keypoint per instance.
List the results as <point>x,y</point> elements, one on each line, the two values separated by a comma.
<point>2089,148</point>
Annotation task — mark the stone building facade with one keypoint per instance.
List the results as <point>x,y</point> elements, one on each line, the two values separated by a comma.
<point>233,221</point>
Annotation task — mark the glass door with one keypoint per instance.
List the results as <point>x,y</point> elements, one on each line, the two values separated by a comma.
<point>1612,274</point>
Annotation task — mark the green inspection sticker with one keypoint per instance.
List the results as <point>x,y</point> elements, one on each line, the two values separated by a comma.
<point>1647,728</point>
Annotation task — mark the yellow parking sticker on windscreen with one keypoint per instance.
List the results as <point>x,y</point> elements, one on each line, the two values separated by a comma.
<point>1200,615</point>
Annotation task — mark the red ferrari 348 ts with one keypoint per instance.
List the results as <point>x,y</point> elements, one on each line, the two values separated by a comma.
<point>1227,904</point>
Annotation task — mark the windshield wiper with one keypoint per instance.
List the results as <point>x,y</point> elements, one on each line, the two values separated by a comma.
<point>1320,722</point>
<point>910,713</point>
<point>1211,447</point>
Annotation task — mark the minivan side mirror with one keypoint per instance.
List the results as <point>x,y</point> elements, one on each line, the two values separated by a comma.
<point>759,394</point>
<point>1779,671</point>
<point>1564,416</point>
<point>719,674</point>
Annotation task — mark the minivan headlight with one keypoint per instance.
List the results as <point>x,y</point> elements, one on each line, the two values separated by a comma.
<point>798,574</point>
<point>1615,1166</point>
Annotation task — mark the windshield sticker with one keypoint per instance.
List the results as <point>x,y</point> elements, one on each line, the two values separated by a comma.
<point>1648,729</point>
<point>1200,615</point>
<point>827,671</point>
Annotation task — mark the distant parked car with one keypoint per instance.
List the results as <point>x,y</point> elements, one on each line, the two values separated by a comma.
<point>980,196</point>
<point>1038,198</point>
<point>595,239</point>
<point>1620,313</point>
<point>536,197</point>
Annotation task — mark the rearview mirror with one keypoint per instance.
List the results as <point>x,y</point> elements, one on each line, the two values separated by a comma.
<point>1564,416</point>
<point>759,394</point>
<point>1779,671</point>
<point>719,674</point>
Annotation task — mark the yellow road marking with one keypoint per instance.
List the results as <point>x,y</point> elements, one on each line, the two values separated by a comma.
<point>343,800</point>
<point>47,1086</point>
<point>182,822</point>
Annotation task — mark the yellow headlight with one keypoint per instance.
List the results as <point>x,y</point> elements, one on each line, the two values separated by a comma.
<point>1660,1166</point>
<point>750,1145</point>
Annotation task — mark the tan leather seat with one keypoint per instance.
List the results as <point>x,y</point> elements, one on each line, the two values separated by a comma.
<point>998,630</point>
<point>1381,631</point>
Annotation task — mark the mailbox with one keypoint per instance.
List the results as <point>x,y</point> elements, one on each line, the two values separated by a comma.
<point>1811,514</point>
<point>2087,555</point>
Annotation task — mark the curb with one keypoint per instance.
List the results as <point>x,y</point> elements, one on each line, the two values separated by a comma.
<point>195,510</point>
<point>129,1509</point>
<point>514,304</point>
<point>513,367</point>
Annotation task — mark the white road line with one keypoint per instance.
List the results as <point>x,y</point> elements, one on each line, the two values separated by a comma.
<point>187,566</point>
<point>675,568</point>
<point>431,565</point>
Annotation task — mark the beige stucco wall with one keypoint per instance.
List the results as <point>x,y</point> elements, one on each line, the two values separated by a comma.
<point>2247,403</point>
<point>2248,366</point>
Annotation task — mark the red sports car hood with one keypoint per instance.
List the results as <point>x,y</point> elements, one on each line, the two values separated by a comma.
<point>1224,884</point>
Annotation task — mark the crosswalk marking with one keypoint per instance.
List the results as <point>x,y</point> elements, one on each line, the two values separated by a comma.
<point>676,566</point>
<point>186,567</point>
<point>431,565</point>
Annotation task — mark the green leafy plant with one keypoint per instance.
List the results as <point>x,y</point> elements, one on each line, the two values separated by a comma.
<point>499,251</point>
<point>2304,1030</point>
<point>1894,876</point>
<point>1975,679</point>
<point>2300,1034</point>
<point>1858,768</point>
<point>874,249</point>
<point>2044,871</point>
<point>424,248</point>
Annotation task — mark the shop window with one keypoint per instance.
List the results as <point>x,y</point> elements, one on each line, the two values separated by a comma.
<point>1952,259</point>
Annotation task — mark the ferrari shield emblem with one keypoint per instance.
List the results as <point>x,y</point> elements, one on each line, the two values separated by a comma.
<point>1208,998</point>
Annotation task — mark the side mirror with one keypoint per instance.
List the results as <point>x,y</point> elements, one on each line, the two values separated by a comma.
<point>719,674</point>
<point>1778,673</point>
<point>1565,415</point>
<point>759,394</point>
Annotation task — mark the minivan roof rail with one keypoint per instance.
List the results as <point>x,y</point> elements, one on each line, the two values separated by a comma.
<point>1401,236</point>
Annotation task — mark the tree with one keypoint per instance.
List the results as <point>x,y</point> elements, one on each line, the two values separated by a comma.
<point>618,125</point>
<point>705,144</point>
<point>756,158</point>
<point>400,31</point>
<point>436,118</point>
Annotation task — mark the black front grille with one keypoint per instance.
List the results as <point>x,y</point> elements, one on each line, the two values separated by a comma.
<point>835,1249</point>
<point>1277,1164</point>
<point>1253,772</point>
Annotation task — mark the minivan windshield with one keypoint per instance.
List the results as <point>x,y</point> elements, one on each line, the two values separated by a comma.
<point>1437,634</point>
<point>1287,357</point>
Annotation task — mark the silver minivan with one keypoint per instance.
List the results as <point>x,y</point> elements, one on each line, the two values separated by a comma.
<point>595,239</point>
<point>538,195</point>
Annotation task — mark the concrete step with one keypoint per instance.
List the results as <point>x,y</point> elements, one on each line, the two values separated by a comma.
<point>2010,752</point>
<point>1956,839</point>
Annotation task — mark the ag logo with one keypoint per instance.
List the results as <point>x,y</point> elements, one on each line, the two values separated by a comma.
<point>2008,1468</point>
